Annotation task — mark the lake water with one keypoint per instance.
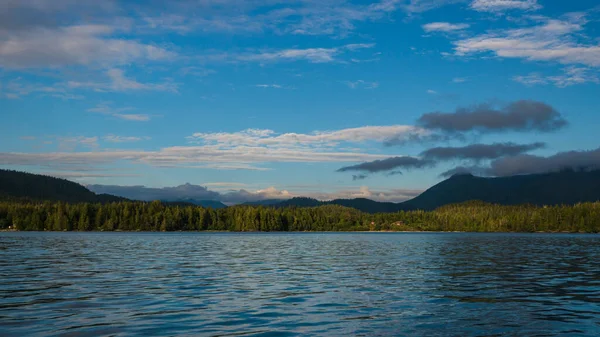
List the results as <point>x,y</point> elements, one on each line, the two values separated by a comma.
<point>299,284</point>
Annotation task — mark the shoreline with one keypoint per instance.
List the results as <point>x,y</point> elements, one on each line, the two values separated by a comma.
<point>298,232</point>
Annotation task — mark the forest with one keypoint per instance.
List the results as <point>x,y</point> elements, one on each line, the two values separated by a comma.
<point>156,216</point>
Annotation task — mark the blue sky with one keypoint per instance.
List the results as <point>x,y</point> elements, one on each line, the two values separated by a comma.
<point>288,98</point>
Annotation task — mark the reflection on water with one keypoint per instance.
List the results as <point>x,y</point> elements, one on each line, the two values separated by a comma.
<point>90,284</point>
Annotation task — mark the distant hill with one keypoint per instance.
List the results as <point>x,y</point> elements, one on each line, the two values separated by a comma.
<point>266,202</point>
<point>21,185</point>
<point>204,203</point>
<point>567,187</point>
<point>365,205</point>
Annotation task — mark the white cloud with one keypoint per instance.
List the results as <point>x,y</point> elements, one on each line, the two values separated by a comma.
<point>237,150</point>
<point>274,86</point>
<point>123,139</point>
<point>460,79</point>
<point>362,84</point>
<point>570,76</point>
<point>420,6</point>
<point>133,117</point>
<point>82,45</point>
<point>316,140</point>
<point>313,55</point>
<point>445,27</point>
<point>495,6</point>
<point>432,92</point>
<point>553,40</point>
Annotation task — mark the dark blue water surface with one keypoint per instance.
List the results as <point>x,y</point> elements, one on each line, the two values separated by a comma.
<point>364,284</point>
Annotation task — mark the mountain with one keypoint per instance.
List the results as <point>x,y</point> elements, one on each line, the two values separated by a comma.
<point>22,185</point>
<point>567,187</point>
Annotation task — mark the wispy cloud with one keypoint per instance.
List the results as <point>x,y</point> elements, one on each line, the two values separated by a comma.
<point>570,76</point>
<point>460,79</point>
<point>133,117</point>
<point>495,6</point>
<point>117,81</point>
<point>420,6</point>
<point>248,149</point>
<point>361,84</point>
<point>17,88</point>
<point>552,40</point>
<point>313,55</point>
<point>107,109</point>
<point>326,17</point>
<point>72,143</point>
<point>271,86</point>
<point>445,27</point>
<point>317,139</point>
<point>123,139</point>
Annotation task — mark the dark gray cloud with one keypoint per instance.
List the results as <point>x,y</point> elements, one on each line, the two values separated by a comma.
<point>530,164</point>
<point>475,170</point>
<point>477,152</point>
<point>517,116</point>
<point>356,177</point>
<point>417,138</point>
<point>389,164</point>
<point>394,173</point>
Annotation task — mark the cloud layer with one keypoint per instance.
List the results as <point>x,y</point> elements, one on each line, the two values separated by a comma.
<point>389,164</point>
<point>478,152</point>
<point>517,116</point>
<point>531,164</point>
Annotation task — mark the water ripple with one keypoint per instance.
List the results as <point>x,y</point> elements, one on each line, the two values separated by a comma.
<point>296,284</point>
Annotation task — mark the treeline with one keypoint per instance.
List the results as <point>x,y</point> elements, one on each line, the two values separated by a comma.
<point>156,216</point>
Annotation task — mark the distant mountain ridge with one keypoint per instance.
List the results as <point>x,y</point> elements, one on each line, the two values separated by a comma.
<point>204,203</point>
<point>567,187</point>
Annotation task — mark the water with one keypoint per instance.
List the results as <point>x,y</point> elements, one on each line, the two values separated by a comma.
<point>188,284</point>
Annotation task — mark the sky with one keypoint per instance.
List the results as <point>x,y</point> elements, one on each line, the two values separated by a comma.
<point>243,100</point>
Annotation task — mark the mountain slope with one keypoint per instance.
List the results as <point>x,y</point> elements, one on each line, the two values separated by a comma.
<point>567,187</point>
<point>21,185</point>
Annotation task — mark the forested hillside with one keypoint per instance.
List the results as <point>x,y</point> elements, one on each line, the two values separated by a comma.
<point>21,185</point>
<point>155,216</point>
